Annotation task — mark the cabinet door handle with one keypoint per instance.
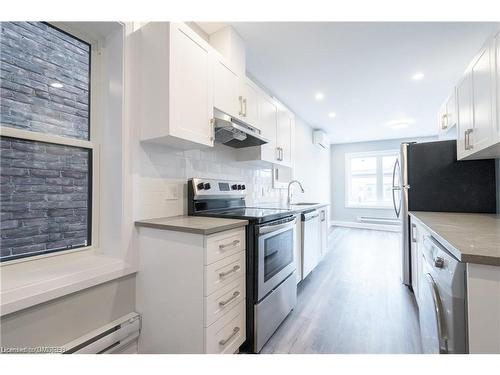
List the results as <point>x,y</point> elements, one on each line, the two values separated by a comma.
<point>245,106</point>
<point>230,299</point>
<point>468,145</point>
<point>212,129</point>
<point>413,231</point>
<point>224,274</point>
<point>277,153</point>
<point>240,98</point>
<point>234,243</point>
<point>444,121</point>
<point>225,341</point>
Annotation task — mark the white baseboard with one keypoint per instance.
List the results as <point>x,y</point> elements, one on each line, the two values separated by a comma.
<point>353,224</point>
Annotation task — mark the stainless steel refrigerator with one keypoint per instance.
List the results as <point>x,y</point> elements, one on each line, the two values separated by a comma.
<point>428,177</point>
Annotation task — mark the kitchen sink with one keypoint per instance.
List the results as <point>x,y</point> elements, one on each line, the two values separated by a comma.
<point>304,204</point>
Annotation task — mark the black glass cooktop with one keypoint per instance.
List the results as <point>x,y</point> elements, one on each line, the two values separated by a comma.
<point>250,213</point>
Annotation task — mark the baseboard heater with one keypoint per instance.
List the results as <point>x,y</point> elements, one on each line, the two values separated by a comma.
<point>107,339</point>
<point>379,220</point>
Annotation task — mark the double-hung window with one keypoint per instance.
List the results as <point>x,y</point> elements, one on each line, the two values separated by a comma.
<point>46,144</point>
<point>369,179</point>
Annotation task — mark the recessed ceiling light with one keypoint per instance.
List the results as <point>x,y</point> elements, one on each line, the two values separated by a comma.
<point>418,76</point>
<point>56,85</point>
<point>400,124</point>
<point>319,96</point>
<point>332,115</point>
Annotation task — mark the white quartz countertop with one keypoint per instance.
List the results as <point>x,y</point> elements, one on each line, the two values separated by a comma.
<point>192,224</point>
<point>471,238</point>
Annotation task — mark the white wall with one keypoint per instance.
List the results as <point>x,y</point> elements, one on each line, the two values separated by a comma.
<point>312,166</point>
<point>338,210</point>
<point>161,174</point>
<point>62,320</point>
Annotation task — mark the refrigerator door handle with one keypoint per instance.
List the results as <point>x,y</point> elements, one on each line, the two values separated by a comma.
<point>395,188</point>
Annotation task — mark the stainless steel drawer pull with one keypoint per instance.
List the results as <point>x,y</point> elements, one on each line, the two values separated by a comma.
<point>234,243</point>
<point>230,299</point>
<point>235,331</point>
<point>234,269</point>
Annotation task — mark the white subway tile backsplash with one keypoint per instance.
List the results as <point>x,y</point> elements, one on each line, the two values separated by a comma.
<point>162,174</point>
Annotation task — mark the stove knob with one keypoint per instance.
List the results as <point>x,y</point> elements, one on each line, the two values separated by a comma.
<point>234,187</point>
<point>239,187</point>
<point>243,187</point>
<point>207,186</point>
<point>200,186</point>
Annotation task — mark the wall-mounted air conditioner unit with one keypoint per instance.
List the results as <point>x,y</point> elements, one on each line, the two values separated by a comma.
<point>320,139</point>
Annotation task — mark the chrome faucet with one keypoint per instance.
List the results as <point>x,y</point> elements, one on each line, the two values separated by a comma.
<point>289,199</point>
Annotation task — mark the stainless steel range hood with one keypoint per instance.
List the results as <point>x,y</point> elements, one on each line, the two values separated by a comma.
<point>235,133</point>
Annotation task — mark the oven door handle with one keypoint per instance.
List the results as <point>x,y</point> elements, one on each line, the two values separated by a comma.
<point>274,228</point>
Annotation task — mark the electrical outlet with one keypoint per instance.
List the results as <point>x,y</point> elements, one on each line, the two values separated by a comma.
<point>171,192</point>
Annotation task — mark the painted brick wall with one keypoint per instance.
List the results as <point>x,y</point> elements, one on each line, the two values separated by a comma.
<point>34,57</point>
<point>44,87</point>
<point>44,197</point>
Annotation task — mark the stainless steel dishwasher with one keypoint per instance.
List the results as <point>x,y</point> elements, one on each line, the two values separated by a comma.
<point>443,321</point>
<point>310,241</point>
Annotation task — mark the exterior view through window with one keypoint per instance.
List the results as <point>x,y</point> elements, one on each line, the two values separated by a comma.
<point>46,151</point>
<point>369,179</point>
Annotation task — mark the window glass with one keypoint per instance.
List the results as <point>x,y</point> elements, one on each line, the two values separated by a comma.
<point>364,165</point>
<point>370,179</point>
<point>45,78</point>
<point>45,197</point>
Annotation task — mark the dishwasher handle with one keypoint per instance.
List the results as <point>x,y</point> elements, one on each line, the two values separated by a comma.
<point>310,215</point>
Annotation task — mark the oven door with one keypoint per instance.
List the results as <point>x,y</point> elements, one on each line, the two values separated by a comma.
<point>275,252</point>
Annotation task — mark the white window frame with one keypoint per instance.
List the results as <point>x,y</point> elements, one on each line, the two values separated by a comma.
<point>92,144</point>
<point>379,173</point>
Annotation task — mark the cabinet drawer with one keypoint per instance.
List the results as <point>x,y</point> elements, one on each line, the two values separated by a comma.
<point>224,272</point>
<point>227,334</point>
<point>222,245</point>
<point>220,302</point>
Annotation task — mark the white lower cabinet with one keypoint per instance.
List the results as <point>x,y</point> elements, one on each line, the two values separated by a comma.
<point>323,230</point>
<point>227,334</point>
<point>191,291</point>
<point>418,233</point>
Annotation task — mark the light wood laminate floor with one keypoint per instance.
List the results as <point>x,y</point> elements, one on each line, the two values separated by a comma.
<point>353,302</point>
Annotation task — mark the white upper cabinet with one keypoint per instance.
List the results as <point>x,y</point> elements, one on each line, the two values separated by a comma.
<point>448,117</point>
<point>285,136</point>
<point>174,85</point>
<point>483,96</point>
<point>268,117</point>
<point>250,103</point>
<point>478,106</point>
<point>226,89</point>
<point>465,119</point>
<point>277,125</point>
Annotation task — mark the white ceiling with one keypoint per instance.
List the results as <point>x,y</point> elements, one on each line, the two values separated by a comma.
<point>364,70</point>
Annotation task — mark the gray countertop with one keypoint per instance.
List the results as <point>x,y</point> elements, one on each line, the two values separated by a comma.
<point>297,207</point>
<point>471,238</point>
<point>192,224</point>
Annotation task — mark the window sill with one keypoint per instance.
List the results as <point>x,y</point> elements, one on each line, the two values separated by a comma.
<point>30,283</point>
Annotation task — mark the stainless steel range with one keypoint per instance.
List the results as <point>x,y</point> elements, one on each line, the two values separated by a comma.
<point>270,238</point>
